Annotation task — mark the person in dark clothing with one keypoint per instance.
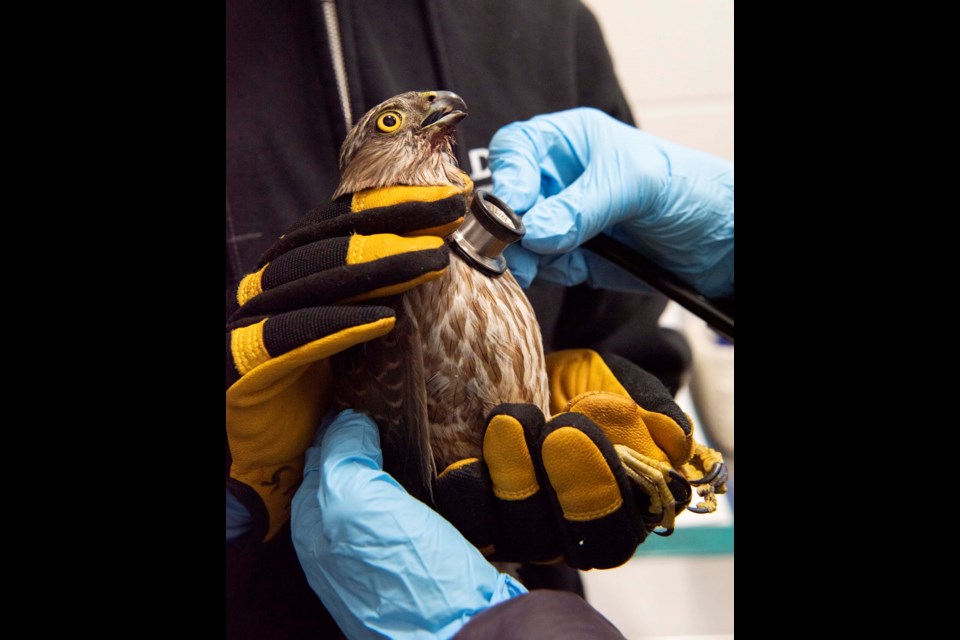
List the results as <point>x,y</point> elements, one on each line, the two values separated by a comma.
<point>297,75</point>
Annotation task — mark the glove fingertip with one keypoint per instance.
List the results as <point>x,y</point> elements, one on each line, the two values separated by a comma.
<point>647,390</point>
<point>520,200</point>
<point>286,332</point>
<point>352,435</point>
<point>590,493</point>
<point>528,415</point>
<point>464,496</point>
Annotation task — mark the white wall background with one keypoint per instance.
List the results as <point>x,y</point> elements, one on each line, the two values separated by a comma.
<point>674,59</point>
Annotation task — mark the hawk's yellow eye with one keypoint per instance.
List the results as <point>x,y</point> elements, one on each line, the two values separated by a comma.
<point>389,121</point>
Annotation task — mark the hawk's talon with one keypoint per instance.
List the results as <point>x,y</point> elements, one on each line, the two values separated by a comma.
<point>717,476</point>
<point>665,533</point>
<point>699,509</point>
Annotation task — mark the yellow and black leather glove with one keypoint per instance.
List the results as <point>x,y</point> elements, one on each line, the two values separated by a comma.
<point>313,295</point>
<point>615,462</point>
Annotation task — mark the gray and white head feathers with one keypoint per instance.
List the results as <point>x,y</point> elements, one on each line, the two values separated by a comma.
<point>380,151</point>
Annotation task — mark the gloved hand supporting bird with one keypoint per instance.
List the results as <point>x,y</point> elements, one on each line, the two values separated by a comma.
<point>463,377</point>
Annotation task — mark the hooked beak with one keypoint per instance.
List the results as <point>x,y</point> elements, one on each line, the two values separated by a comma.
<point>446,110</point>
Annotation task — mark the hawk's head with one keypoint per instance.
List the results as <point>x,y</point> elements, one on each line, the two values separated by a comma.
<point>407,139</point>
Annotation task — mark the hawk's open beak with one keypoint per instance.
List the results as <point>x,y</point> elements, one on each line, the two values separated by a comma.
<point>446,109</point>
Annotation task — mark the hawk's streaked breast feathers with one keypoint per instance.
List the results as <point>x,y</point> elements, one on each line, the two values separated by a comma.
<point>464,342</point>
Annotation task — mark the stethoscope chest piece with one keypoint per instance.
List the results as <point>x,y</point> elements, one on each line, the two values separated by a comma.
<point>489,227</point>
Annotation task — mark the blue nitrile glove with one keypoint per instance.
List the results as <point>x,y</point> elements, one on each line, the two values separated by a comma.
<point>575,173</point>
<point>383,563</point>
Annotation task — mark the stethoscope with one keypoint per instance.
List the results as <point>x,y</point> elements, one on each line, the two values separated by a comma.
<point>490,226</point>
